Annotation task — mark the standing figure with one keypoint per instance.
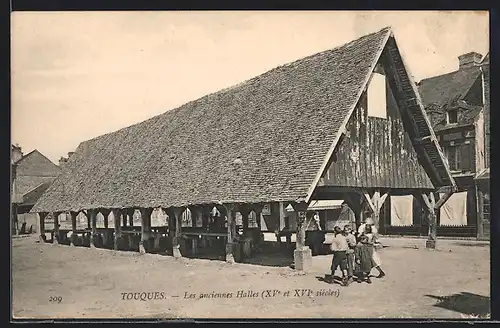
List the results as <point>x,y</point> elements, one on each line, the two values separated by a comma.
<point>373,240</point>
<point>351,242</point>
<point>339,247</point>
<point>362,227</point>
<point>363,253</point>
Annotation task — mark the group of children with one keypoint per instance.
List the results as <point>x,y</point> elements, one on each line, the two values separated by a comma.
<point>356,254</point>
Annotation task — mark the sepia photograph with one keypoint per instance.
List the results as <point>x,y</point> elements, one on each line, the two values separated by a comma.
<point>250,164</point>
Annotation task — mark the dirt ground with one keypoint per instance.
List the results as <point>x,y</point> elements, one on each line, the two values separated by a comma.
<point>56,281</point>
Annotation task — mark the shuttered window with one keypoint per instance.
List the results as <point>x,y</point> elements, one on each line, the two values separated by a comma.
<point>465,157</point>
<point>453,157</point>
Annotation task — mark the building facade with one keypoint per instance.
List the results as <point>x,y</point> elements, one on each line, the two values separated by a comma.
<point>32,174</point>
<point>457,104</point>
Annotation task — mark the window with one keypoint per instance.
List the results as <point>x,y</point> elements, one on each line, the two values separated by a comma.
<point>377,97</point>
<point>452,154</point>
<point>486,208</point>
<point>452,116</point>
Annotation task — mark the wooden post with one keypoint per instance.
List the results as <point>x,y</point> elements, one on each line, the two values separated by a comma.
<point>130,213</point>
<point>118,231</point>
<point>375,203</point>
<point>55,215</point>
<point>302,254</point>
<point>41,226</point>
<point>105,213</point>
<point>432,207</point>
<point>73,227</point>
<point>145,229</point>
<point>430,203</point>
<point>195,214</point>
<point>174,215</point>
<point>258,211</point>
<point>480,213</point>
<point>281,224</point>
<point>124,218</point>
<point>89,223</point>
<point>355,203</point>
<point>93,221</point>
<point>230,232</point>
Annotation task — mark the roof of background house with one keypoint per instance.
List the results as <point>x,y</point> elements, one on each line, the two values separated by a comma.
<point>465,118</point>
<point>33,170</point>
<point>446,91</point>
<point>263,140</point>
<point>443,90</point>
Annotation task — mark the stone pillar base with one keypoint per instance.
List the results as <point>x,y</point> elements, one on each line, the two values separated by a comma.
<point>177,252</point>
<point>142,250</point>
<point>431,244</point>
<point>302,259</point>
<point>230,258</point>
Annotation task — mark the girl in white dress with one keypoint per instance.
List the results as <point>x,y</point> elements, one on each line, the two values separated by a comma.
<point>372,239</point>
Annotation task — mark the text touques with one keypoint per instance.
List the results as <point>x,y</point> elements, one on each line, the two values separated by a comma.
<point>266,293</point>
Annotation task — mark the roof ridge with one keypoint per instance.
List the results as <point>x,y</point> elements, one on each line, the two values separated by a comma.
<point>248,81</point>
<point>449,73</point>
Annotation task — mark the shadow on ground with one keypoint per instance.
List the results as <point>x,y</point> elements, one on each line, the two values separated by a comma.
<point>465,303</point>
<point>472,244</point>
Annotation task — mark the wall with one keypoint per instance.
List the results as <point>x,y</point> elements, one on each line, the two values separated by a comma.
<point>464,138</point>
<point>486,70</point>
<point>376,152</point>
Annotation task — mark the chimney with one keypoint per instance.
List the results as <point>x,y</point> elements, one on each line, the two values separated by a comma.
<point>17,153</point>
<point>469,60</point>
<point>62,161</point>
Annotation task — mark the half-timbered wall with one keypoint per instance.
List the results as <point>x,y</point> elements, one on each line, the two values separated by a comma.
<point>376,152</point>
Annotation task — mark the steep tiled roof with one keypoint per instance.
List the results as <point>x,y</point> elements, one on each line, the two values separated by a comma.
<point>465,117</point>
<point>33,170</point>
<point>445,89</point>
<point>263,140</point>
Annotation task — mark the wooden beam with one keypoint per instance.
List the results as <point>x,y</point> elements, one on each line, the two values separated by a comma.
<point>368,200</point>
<point>301,209</point>
<point>41,226</point>
<point>480,213</point>
<point>145,229</point>
<point>118,229</point>
<point>430,207</point>
<point>442,200</point>
<point>230,211</point>
<point>174,214</point>
<point>130,213</point>
<point>93,222</point>
<point>55,215</point>
<point>375,204</point>
<point>73,216</point>
<point>244,211</point>
<point>428,138</point>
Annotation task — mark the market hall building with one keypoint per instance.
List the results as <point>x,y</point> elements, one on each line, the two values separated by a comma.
<point>344,124</point>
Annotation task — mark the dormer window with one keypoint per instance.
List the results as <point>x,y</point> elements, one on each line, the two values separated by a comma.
<point>452,116</point>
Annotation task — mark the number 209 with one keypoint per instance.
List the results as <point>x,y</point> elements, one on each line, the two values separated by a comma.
<point>55,299</point>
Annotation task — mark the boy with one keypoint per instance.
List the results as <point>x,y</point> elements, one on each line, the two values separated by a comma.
<point>351,242</point>
<point>339,247</point>
<point>363,253</point>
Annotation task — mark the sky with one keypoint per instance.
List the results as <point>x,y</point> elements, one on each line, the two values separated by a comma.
<point>78,75</point>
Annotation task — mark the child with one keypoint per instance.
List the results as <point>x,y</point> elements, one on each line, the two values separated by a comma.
<point>373,240</point>
<point>363,254</point>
